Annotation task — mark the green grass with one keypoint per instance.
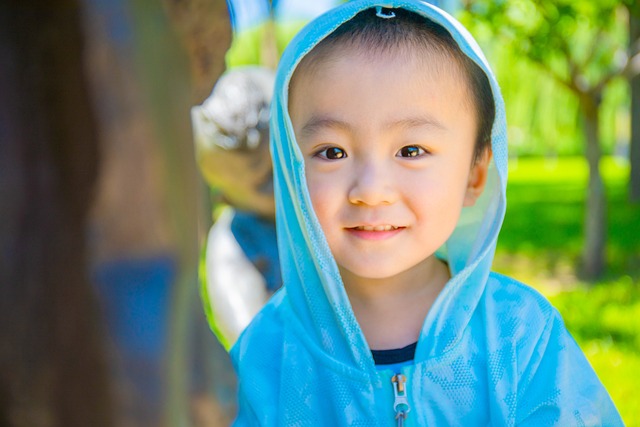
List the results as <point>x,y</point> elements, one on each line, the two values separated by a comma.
<point>540,244</point>
<point>546,210</point>
<point>605,321</point>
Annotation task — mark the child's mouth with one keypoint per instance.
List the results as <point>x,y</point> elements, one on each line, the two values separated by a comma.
<point>375,232</point>
<point>375,228</point>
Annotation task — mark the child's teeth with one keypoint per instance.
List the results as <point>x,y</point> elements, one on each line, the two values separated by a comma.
<point>377,227</point>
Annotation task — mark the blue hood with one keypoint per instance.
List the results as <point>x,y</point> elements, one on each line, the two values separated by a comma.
<point>311,275</point>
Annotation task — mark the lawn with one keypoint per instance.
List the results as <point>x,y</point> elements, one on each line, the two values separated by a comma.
<point>540,244</point>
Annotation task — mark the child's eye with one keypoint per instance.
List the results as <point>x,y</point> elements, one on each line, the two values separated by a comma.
<point>332,153</point>
<point>411,151</point>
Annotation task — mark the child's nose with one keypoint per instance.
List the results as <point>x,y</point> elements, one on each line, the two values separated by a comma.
<point>373,184</point>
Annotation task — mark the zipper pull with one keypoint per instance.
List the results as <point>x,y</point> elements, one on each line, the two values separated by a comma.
<point>400,402</point>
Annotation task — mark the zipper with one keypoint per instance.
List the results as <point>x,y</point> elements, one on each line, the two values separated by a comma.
<point>400,402</point>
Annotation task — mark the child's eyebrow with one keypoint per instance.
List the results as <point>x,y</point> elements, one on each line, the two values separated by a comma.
<point>417,121</point>
<point>317,123</point>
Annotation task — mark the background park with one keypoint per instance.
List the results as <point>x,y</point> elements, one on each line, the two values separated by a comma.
<point>573,218</point>
<point>97,168</point>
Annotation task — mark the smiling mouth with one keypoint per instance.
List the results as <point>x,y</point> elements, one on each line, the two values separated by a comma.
<point>375,228</point>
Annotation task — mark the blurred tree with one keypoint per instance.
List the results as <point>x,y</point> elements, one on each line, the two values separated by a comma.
<point>205,31</point>
<point>175,72</point>
<point>580,45</point>
<point>52,358</point>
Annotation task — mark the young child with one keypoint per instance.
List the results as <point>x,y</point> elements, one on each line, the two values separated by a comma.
<point>390,162</point>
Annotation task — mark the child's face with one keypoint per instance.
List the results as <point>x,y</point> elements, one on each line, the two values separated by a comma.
<point>388,145</point>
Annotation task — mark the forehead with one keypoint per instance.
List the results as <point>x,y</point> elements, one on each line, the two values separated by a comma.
<point>342,68</point>
<point>374,94</point>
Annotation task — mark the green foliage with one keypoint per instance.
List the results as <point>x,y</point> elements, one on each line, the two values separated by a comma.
<point>525,43</point>
<point>571,39</point>
<point>246,48</point>
<point>618,306</point>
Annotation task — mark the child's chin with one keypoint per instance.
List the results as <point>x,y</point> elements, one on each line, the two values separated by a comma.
<point>368,272</point>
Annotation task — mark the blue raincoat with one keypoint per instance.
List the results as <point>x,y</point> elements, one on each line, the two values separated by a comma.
<point>492,351</point>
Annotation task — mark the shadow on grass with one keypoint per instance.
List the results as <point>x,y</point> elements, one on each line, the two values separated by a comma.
<point>545,223</point>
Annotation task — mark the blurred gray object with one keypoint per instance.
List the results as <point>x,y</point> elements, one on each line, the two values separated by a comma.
<point>231,133</point>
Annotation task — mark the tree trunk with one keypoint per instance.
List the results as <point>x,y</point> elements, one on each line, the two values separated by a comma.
<point>205,30</point>
<point>206,34</point>
<point>52,359</point>
<point>634,144</point>
<point>593,256</point>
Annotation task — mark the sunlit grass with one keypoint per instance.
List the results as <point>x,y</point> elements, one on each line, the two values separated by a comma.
<point>605,321</point>
<point>540,244</point>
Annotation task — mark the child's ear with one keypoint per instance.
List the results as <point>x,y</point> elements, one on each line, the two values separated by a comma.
<point>477,178</point>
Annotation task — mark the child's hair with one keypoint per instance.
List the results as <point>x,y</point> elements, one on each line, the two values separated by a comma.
<point>402,32</point>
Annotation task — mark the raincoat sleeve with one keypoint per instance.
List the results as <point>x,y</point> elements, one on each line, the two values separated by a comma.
<point>558,385</point>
